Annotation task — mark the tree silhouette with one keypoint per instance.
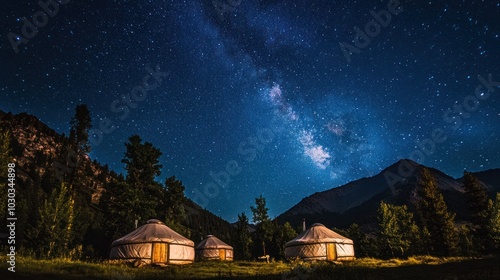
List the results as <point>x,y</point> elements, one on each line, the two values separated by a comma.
<point>477,199</point>
<point>243,240</point>
<point>477,204</point>
<point>264,225</point>
<point>141,162</point>
<point>174,204</point>
<point>364,246</point>
<point>282,234</point>
<point>80,126</point>
<point>53,232</point>
<point>398,230</point>
<point>435,217</point>
<point>5,159</point>
<point>494,225</point>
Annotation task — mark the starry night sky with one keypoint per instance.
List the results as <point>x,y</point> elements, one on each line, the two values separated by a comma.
<point>264,85</point>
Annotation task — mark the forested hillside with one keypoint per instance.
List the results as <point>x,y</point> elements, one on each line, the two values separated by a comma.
<point>91,205</point>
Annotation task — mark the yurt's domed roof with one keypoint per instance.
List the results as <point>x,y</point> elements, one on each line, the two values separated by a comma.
<point>317,225</point>
<point>212,242</point>
<point>153,231</point>
<point>318,233</point>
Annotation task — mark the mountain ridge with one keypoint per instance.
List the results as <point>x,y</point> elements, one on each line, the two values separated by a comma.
<point>43,160</point>
<point>36,147</point>
<point>357,201</point>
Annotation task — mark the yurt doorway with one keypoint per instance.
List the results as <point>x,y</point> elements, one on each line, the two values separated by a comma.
<point>160,251</point>
<point>222,254</point>
<point>331,254</point>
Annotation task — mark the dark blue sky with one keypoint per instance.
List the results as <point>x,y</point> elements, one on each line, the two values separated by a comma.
<point>259,96</point>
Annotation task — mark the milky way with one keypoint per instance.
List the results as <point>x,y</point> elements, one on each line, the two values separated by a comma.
<point>265,85</point>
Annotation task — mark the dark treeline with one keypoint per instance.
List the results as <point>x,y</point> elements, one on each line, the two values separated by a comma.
<point>431,229</point>
<point>69,206</point>
<point>75,208</point>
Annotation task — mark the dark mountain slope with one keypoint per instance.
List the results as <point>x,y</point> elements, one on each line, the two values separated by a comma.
<point>358,201</point>
<point>41,155</point>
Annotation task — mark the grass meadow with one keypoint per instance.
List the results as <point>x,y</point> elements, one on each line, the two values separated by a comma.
<point>424,267</point>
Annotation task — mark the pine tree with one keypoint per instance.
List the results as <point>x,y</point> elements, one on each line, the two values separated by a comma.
<point>142,165</point>
<point>260,210</point>
<point>80,126</point>
<point>281,236</point>
<point>467,244</point>
<point>243,239</point>
<point>364,246</point>
<point>52,234</point>
<point>5,152</point>
<point>121,205</point>
<point>435,217</point>
<point>265,228</point>
<point>174,204</point>
<point>75,166</point>
<point>477,204</point>
<point>477,199</point>
<point>141,162</point>
<point>5,159</point>
<point>398,230</point>
<point>423,244</point>
<point>494,225</point>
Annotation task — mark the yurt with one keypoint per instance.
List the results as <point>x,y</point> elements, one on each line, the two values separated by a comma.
<point>154,242</point>
<point>320,243</point>
<point>212,248</point>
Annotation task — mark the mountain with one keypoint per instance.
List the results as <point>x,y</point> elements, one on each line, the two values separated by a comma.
<point>38,150</point>
<point>43,158</point>
<point>251,227</point>
<point>358,201</point>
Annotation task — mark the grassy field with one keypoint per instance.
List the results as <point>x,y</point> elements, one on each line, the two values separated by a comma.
<point>414,268</point>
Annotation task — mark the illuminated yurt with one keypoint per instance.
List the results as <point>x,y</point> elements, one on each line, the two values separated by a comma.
<point>154,242</point>
<point>320,243</point>
<point>212,248</point>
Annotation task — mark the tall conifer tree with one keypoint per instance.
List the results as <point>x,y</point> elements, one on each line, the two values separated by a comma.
<point>243,239</point>
<point>435,216</point>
